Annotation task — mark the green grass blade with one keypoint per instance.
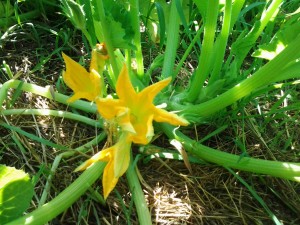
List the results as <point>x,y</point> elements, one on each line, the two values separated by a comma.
<point>34,137</point>
<point>162,24</point>
<point>256,196</point>
<point>16,95</point>
<point>242,47</point>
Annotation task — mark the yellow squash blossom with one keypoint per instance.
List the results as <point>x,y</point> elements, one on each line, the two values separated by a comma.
<point>87,85</point>
<point>134,111</point>
<point>117,158</point>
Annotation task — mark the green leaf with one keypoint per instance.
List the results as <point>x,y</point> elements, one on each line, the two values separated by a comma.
<point>75,13</point>
<point>280,40</point>
<point>118,34</point>
<point>155,20</point>
<point>119,21</point>
<point>162,25</point>
<point>202,7</point>
<point>16,191</point>
<point>6,9</point>
<point>34,137</point>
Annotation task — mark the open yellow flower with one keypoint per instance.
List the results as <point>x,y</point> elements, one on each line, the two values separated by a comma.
<point>134,111</point>
<point>86,85</point>
<point>117,158</point>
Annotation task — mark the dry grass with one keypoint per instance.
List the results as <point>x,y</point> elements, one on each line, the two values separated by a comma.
<point>210,195</point>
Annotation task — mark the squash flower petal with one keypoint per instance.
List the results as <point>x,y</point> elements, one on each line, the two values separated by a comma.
<point>135,112</point>
<point>86,85</point>
<point>117,158</point>
<point>114,109</point>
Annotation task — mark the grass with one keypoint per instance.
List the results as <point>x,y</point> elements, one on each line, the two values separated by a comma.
<point>264,125</point>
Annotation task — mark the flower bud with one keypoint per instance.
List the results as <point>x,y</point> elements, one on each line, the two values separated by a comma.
<point>75,13</point>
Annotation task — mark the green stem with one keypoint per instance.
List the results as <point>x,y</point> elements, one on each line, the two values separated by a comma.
<point>88,37</point>
<point>243,48</point>
<point>255,195</point>
<point>45,92</point>
<point>24,16</point>
<point>221,43</point>
<point>134,14</point>
<point>138,195</point>
<point>263,76</point>
<point>172,42</point>
<point>284,170</point>
<point>107,40</point>
<point>56,113</point>
<point>64,200</point>
<point>188,50</point>
<point>235,13</point>
<point>205,59</point>
<point>267,15</point>
<point>83,148</point>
